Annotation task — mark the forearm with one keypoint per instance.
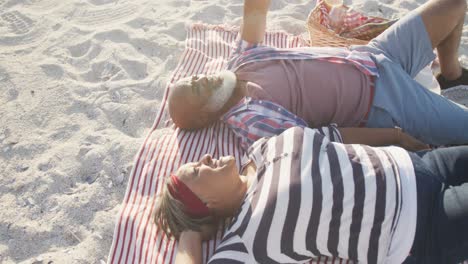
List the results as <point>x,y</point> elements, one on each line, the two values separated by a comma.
<point>381,137</point>
<point>371,136</point>
<point>189,250</point>
<point>254,20</point>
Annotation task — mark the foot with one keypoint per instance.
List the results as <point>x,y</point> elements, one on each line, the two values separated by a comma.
<point>445,84</point>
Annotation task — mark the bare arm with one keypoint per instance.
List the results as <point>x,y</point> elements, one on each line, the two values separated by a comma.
<point>381,137</point>
<point>254,21</point>
<point>189,250</point>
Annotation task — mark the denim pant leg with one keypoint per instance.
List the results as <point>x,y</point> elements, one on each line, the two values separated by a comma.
<point>428,187</point>
<point>400,52</point>
<point>401,101</point>
<point>452,217</point>
<point>405,43</point>
<point>442,224</point>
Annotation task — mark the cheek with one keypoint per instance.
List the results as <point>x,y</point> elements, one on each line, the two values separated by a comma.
<point>209,177</point>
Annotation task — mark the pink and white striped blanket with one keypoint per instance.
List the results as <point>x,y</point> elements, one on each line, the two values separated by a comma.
<point>136,237</point>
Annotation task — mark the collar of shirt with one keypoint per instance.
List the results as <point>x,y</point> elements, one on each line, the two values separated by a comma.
<point>246,52</point>
<point>261,107</point>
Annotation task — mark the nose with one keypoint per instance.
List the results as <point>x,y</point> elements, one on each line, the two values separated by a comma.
<point>206,159</point>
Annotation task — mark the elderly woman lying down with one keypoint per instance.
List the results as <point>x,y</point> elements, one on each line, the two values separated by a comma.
<point>300,195</point>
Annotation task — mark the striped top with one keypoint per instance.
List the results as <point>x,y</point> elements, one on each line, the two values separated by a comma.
<point>246,52</point>
<point>313,197</point>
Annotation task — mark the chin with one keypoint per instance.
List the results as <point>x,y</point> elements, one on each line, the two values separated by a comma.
<point>228,159</point>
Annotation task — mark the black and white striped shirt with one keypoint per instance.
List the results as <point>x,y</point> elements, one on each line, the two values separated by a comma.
<point>312,197</point>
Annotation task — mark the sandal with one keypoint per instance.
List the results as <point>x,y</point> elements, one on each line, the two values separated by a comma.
<point>445,84</point>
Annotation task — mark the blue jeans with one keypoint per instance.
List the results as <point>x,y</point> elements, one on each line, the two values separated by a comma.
<point>400,53</point>
<point>442,191</point>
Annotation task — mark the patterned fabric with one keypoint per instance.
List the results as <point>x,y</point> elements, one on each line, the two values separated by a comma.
<point>353,24</point>
<point>246,52</point>
<point>313,197</point>
<point>253,119</point>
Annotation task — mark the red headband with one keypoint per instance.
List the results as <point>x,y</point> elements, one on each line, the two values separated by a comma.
<point>193,205</point>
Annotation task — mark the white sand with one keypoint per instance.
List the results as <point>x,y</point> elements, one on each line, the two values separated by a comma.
<point>80,84</point>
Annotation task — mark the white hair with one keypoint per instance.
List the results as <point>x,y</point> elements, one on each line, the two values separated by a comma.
<point>223,93</point>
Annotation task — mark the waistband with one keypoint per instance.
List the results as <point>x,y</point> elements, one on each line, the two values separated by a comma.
<point>363,121</point>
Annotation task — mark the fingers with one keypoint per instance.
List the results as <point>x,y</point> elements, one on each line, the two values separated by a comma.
<point>410,143</point>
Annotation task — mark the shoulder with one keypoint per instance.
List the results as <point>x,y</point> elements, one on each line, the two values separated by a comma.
<point>232,250</point>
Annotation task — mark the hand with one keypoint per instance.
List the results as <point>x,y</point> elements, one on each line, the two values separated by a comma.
<point>408,142</point>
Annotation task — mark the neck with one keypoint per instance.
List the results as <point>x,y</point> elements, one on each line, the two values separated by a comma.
<point>248,173</point>
<point>246,179</point>
<point>228,208</point>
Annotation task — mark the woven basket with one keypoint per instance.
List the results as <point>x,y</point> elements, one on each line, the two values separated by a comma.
<point>321,36</point>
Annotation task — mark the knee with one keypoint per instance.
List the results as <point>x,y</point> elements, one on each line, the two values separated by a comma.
<point>456,8</point>
<point>459,5</point>
<point>462,5</point>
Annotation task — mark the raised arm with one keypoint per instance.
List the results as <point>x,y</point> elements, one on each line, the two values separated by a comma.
<point>254,21</point>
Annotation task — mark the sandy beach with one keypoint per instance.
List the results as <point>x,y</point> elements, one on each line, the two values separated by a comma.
<point>81,82</point>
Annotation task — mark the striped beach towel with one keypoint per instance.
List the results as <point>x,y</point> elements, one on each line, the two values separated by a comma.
<point>136,238</point>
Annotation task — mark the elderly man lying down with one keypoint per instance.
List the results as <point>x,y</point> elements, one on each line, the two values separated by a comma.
<point>264,90</point>
<point>300,196</point>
